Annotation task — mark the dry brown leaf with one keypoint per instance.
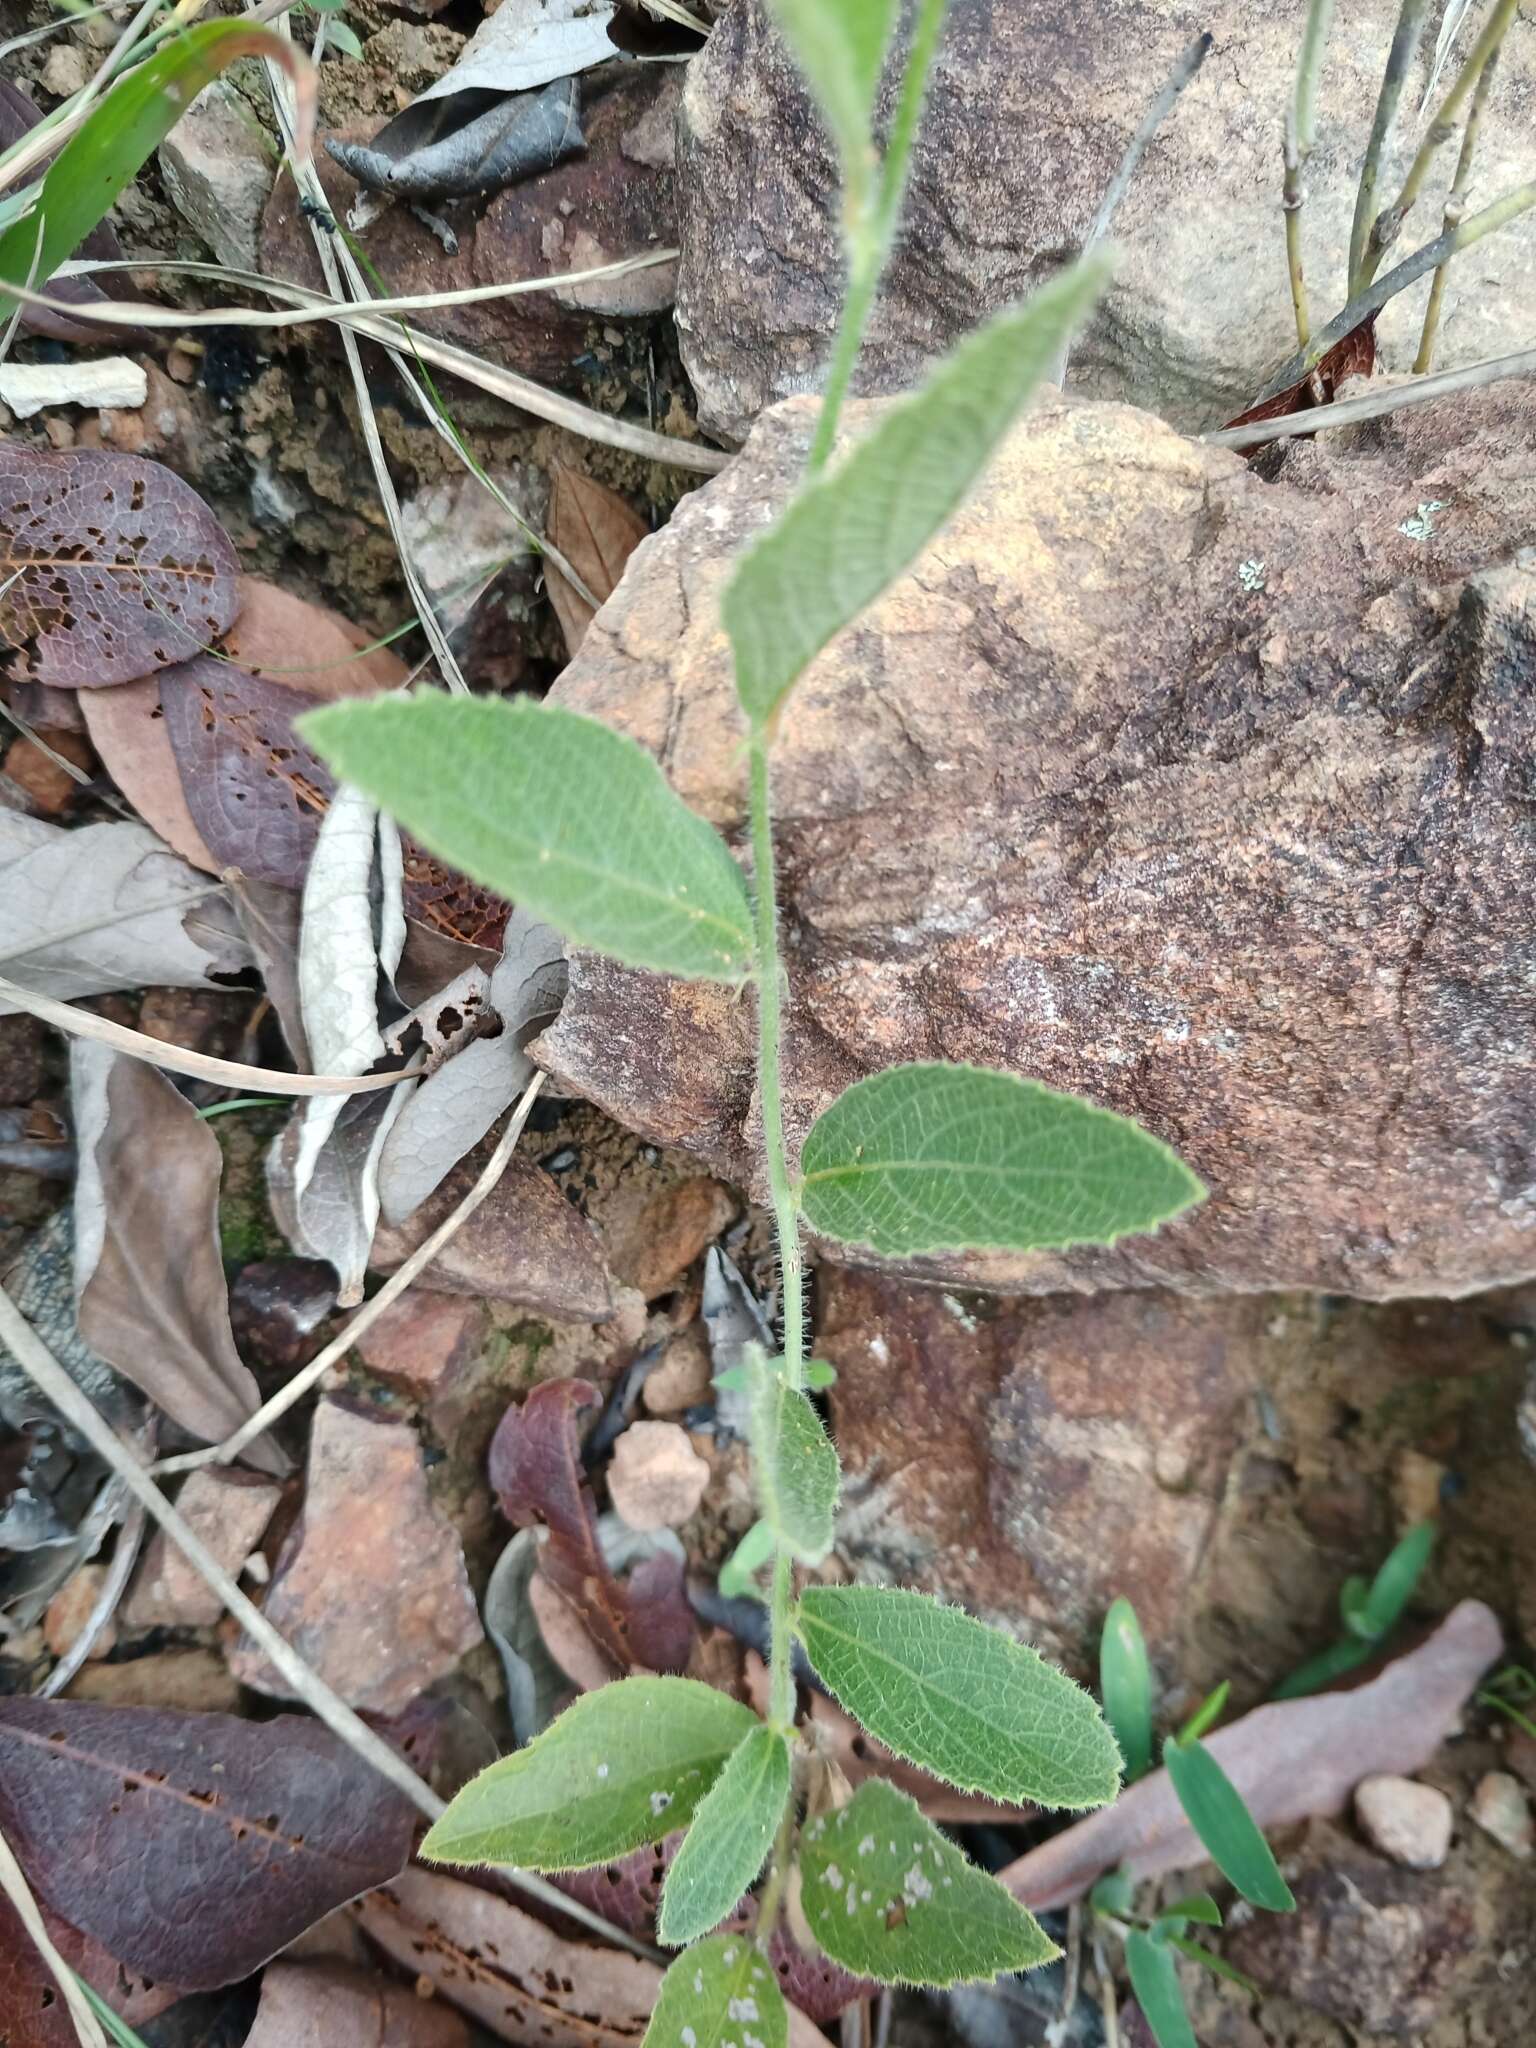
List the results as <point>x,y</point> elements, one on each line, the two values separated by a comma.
<point>1290,1761</point>
<point>128,732</point>
<point>306,647</point>
<point>597,532</point>
<point>327,2005</point>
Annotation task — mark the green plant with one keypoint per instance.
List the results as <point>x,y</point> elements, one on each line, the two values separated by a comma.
<point>1214,1808</point>
<point>579,824</point>
<point>1370,1612</point>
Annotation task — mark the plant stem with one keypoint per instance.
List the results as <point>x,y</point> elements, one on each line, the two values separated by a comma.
<point>1455,209</point>
<point>1384,229</point>
<point>1291,203</point>
<point>786,1212</point>
<point>1405,46</point>
<point>1300,134</point>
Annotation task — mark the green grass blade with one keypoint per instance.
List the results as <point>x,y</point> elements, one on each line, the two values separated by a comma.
<point>1125,1686</point>
<point>1393,1586</point>
<point>714,1991</point>
<point>965,1702</point>
<point>570,819</point>
<point>930,1157</point>
<point>1217,1965</point>
<point>1319,1672</point>
<point>849,535</point>
<point>841,48</point>
<point>1215,1810</point>
<point>729,1840</point>
<point>122,131</point>
<point>1155,1981</point>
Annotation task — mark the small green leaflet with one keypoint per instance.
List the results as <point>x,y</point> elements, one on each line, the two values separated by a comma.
<point>847,537</point>
<point>624,1766</point>
<point>796,1467</point>
<point>1217,1965</point>
<point>572,820</point>
<point>1125,1685</point>
<point>974,1707</point>
<point>1199,1907</point>
<point>729,1840</point>
<point>841,48</point>
<point>746,1560</point>
<point>715,1992</point>
<point>1214,1808</point>
<point>932,1157</point>
<point>1207,1714</point>
<point>1393,1586</point>
<point>1155,1981</point>
<point>888,1897</point>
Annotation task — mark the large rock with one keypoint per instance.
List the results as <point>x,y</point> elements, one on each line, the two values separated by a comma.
<point>1206,796</point>
<point>1033,103</point>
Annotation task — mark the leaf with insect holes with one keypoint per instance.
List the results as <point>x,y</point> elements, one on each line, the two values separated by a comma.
<point>841,49</point>
<point>1155,1981</point>
<point>729,1840</point>
<point>888,1897</point>
<point>1215,1810</point>
<point>571,819</point>
<point>1125,1685</point>
<point>849,535</point>
<point>714,1991</point>
<point>932,1157</point>
<point>796,1467</point>
<point>623,1766</point>
<point>967,1703</point>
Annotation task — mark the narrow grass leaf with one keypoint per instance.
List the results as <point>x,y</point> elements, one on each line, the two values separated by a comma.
<point>624,1766</point>
<point>932,1157</point>
<point>841,48</point>
<point>1155,1981</point>
<point>120,134</point>
<point>1207,1714</point>
<point>1393,1586</point>
<point>966,1703</point>
<point>1215,1810</point>
<point>847,537</point>
<point>713,1992</point>
<point>557,811</point>
<point>889,1897</point>
<point>729,1840</point>
<point>1217,1965</point>
<point>1199,1907</point>
<point>1125,1685</point>
<point>796,1467</point>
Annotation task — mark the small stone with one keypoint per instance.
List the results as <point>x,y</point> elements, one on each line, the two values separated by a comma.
<point>51,788</point>
<point>229,1511</point>
<point>1409,1822</point>
<point>1416,1488</point>
<point>1501,1809</point>
<point>218,166</point>
<point>194,1680</point>
<point>29,388</point>
<point>70,1609</point>
<point>65,72</point>
<point>277,1308</point>
<point>662,1240</point>
<point>657,1478</point>
<point>423,1343</point>
<point>181,365</point>
<point>682,1378</point>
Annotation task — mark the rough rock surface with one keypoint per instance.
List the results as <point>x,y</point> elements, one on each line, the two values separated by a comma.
<point>1205,795</point>
<point>1408,1822</point>
<point>229,1511</point>
<point>218,166</point>
<point>371,1588</point>
<point>1032,105</point>
<point>656,1478</point>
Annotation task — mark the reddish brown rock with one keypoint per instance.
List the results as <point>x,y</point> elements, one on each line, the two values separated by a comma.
<point>1201,794</point>
<point>228,1511</point>
<point>370,1588</point>
<point>652,1249</point>
<point>196,1680</point>
<point>70,1609</point>
<point>424,1343</point>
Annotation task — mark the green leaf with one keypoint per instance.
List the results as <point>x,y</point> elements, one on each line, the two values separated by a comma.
<point>1214,1808</point>
<point>340,36</point>
<point>841,49</point>
<point>1206,1715</point>
<point>847,537</point>
<point>712,1993</point>
<point>1217,1965</point>
<point>1393,1586</point>
<point>888,1897</point>
<point>1199,1906</point>
<point>1155,1981</point>
<point>932,1157</point>
<point>1113,1894</point>
<point>624,1766</point>
<point>942,1690</point>
<point>795,1465</point>
<point>818,1374</point>
<point>1320,1671</point>
<point>746,1560</point>
<point>1125,1685</point>
<point>119,135</point>
<point>572,820</point>
<point>729,1840</point>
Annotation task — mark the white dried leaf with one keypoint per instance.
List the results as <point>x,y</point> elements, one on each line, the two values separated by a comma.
<point>528,43</point>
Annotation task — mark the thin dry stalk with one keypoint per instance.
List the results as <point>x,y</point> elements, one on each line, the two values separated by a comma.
<point>1300,135</point>
<point>14,1884</point>
<point>1455,211</point>
<point>1400,58</point>
<point>1350,412</point>
<point>40,1365</point>
<point>199,1066</point>
<point>369,1313</point>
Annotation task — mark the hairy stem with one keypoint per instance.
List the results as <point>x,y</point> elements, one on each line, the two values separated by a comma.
<point>1455,211</point>
<point>1405,47</point>
<point>1384,229</point>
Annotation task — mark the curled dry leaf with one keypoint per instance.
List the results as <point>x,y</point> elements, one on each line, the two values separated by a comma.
<point>463,147</point>
<point>328,2005</point>
<point>53,881</point>
<point>1353,356</point>
<point>1290,1761</point>
<point>110,567</point>
<point>149,1271</point>
<point>536,1685</point>
<point>597,532</point>
<point>192,1846</point>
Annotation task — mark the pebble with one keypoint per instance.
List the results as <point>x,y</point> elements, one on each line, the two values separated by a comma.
<point>230,1512</point>
<point>70,1609</point>
<point>682,1378</point>
<point>29,388</point>
<point>1501,1809</point>
<point>656,1479</point>
<point>1406,1821</point>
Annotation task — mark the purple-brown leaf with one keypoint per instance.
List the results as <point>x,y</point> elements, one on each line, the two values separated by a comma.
<point>192,1846</point>
<point>18,117</point>
<point>110,567</point>
<point>33,2015</point>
